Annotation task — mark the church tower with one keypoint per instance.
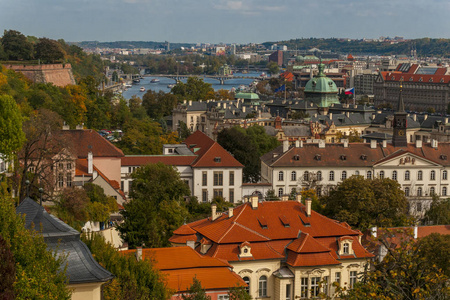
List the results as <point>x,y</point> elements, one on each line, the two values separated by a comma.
<point>400,139</point>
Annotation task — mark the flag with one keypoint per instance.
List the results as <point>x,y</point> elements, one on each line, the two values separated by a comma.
<point>281,88</point>
<point>350,91</point>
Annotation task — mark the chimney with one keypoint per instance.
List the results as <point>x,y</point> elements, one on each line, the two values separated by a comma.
<point>297,144</point>
<point>384,143</point>
<point>374,231</point>
<point>434,144</point>
<point>230,212</point>
<point>65,126</point>
<point>285,197</point>
<point>254,200</point>
<point>308,207</point>
<point>321,144</point>
<point>418,143</point>
<point>373,144</point>
<point>414,116</point>
<point>190,102</point>
<point>301,144</point>
<point>347,114</point>
<point>416,231</point>
<point>90,163</point>
<point>345,142</point>
<point>243,109</point>
<point>331,116</point>
<point>298,198</point>
<point>425,117</point>
<point>184,101</point>
<point>79,127</point>
<point>214,214</point>
<point>224,105</point>
<point>138,253</point>
<point>446,121</point>
<point>285,146</point>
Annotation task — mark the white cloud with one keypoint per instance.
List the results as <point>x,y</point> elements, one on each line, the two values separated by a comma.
<point>248,7</point>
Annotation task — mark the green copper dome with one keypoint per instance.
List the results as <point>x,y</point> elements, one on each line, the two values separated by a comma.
<point>321,83</point>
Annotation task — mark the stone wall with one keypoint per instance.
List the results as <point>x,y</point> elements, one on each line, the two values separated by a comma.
<point>58,74</point>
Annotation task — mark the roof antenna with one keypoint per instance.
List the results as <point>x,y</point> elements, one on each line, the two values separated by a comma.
<point>41,191</point>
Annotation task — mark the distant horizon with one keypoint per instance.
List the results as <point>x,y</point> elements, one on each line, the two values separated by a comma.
<point>224,21</point>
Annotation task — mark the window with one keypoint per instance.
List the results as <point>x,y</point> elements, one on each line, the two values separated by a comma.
<point>231,177</point>
<point>394,175</point>
<point>331,177</point>
<point>293,176</point>
<point>419,192</point>
<point>357,173</point>
<point>319,191</point>
<point>280,192</point>
<point>444,191</point>
<point>247,281</point>
<point>381,174</point>
<point>130,182</point>
<point>218,192</point>
<point>432,175</point>
<point>130,169</point>
<point>304,287</point>
<point>280,176</point>
<point>204,178</point>
<point>444,175</point>
<point>407,175</point>
<point>346,248</point>
<point>288,292</point>
<point>231,195</point>
<point>315,286</point>
<point>218,178</point>
<point>319,175</point>
<point>419,175</point>
<point>69,166</point>
<point>122,185</point>
<point>60,180</point>
<point>223,297</point>
<point>337,277</point>
<point>325,285</point>
<point>69,179</point>
<point>344,175</point>
<point>432,191</point>
<point>353,278</point>
<point>407,191</point>
<point>369,174</point>
<point>61,165</point>
<point>419,206</point>
<point>306,176</point>
<point>262,292</point>
<point>204,195</point>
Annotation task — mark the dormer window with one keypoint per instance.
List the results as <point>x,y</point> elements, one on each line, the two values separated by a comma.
<point>343,157</point>
<point>431,79</point>
<point>217,159</point>
<point>363,157</point>
<point>297,157</point>
<point>245,250</point>
<point>410,79</point>
<point>420,79</point>
<point>442,80</point>
<point>443,157</point>
<point>318,157</point>
<point>345,246</point>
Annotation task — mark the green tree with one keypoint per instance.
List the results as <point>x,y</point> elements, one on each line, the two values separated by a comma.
<point>16,46</point>
<point>273,68</point>
<point>8,271</point>
<point>439,212</point>
<point>133,279</point>
<point>159,104</point>
<point>38,270</point>
<point>12,136</point>
<point>239,293</point>
<point>141,137</point>
<point>157,206</point>
<point>194,89</point>
<point>72,207</point>
<point>435,248</point>
<point>196,292</point>
<point>48,51</point>
<point>364,203</point>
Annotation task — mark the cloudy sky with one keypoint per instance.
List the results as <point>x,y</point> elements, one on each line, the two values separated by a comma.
<point>214,21</point>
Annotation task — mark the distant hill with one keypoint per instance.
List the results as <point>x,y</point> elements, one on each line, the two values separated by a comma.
<point>424,46</point>
<point>130,44</point>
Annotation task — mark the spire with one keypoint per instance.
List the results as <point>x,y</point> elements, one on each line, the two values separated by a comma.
<point>401,105</point>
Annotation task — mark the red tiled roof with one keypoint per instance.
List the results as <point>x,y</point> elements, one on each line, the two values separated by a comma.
<point>182,239</point>
<point>85,141</point>
<point>306,244</point>
<point>172,160</point>
<point>81,167</point>
<point>311,259</point>
<point>410,77</point>
<point>113,183</point>
<point>184,230</point>
<point>208,150</point>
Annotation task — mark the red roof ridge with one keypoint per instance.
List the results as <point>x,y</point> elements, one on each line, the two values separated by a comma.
<point>184,230</point>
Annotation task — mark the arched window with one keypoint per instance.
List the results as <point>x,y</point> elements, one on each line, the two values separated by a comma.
<point>331,178</point>
<point>444,191</point>
<point>293,176</point>
<point>319,175</point>
<point>280,192</point>
<point>407,175</point>
<point>444,175</point>
<point>346,248</point>
<point>381,174</point>
<point>262,292</point>
<point>432,191</point>
<point>394,175</point>
<point>419,192</point>
<point>419,175</point>
<point>432,175</point>
<point>247,281</point>
<point>344,175</point>
<point>407,191</point>
<point>369,174</point>
<point>357,173</point>
<point>306,176</point>
<point>280,176</point>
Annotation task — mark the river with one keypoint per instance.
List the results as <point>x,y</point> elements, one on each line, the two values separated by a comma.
<point>162,84</point>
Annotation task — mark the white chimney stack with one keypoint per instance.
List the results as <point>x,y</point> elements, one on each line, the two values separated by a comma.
<point>285,146</point>
<point>254,200</point>
<point>345,142</point>
<point>297,144</point>
<point>90,163</point>
<point>138,253</point>
<point>384,143</point>
<point>308,207</point>
<point>416,231</point>
<point>230,212</point>
<point>418,143</point>
<point>374,231</point>
<point>373,144</point>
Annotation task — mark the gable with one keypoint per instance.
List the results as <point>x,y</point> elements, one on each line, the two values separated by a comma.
<point>405,160</point>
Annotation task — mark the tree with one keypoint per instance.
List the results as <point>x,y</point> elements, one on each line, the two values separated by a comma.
<point>194,89</point>
<point>196,292</point>
<point>72,207</point>
<point>364,203</point>
<point>159,104</point>
<point>403,274</point>
<point>157,206</point>
<point>38,271</point>
<point>8,271</point>
<point>16,46</point>
<point>133,279</point>
<point>48,51</point>
<point>273,68</point>
<point>435,248</point>
<point>141,137</point>
<point>12,136</point>
<point>239,293</point>
<point>439,212</point>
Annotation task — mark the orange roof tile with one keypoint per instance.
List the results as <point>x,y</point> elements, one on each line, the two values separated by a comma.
<point>306,244</point>
<point>85,141</point>
<point>311,259</point>
<point>172,160</point>
<point>184,230</point>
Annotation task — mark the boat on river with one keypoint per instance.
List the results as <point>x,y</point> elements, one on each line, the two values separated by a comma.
<point>142,89</point>
<point>154,80</point>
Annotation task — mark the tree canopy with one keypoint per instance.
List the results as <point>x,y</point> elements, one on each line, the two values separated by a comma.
<point>16,46</point>
<point>194,89</point>
<point>48,51</point>
<point>364,203</point>
<point>439,212</point>
<point>12,136</point>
